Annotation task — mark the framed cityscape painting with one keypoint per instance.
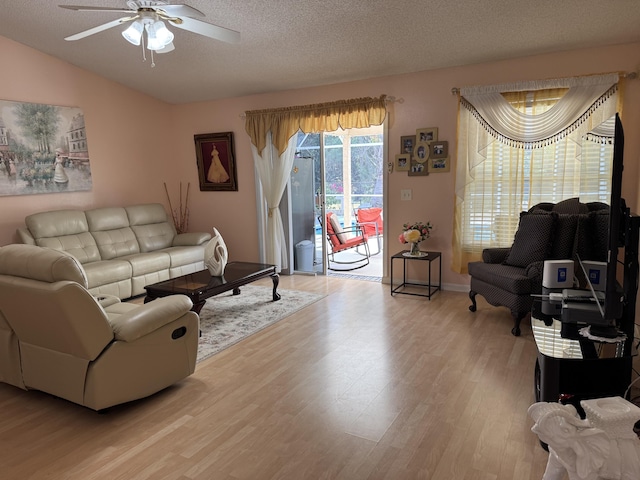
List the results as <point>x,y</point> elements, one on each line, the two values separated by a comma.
<point>43,149</point>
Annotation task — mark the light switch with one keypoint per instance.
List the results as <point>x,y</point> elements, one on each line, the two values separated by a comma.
<point>405,194</point>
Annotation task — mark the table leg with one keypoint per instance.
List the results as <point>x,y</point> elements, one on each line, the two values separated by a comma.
<point>276,280</point>
<point>391,278</point>
<point>198,306</point>
<point>404,270</point>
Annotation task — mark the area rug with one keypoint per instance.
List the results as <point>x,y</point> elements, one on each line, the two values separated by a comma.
<point>227,319</point>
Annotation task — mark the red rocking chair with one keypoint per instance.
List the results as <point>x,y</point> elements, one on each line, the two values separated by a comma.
<point>343,239</point>
<point>370,219</point>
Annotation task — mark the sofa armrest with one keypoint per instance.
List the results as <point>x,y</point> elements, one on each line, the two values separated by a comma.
<point>25,236</point>
<point>106,300</point>
<point>190,238</point>
<point>143,320</point>
<point>495,255</point>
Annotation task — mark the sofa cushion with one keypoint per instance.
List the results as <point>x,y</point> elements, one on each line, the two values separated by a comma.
<point>532,240</point>
<point>181,256</point>
<point>151,226</point>
<point>65,230</point>
<point>58,223</point>
<point>110,228</point>
<point>146,214</point>
<point>106,272</point>
<point>104,219</point>
<point>82,246</point>
<point>144,263</point>
<point>153,237</point>
<point>116,243</point>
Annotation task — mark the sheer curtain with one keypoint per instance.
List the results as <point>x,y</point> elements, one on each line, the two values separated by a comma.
<point>272,134</point>
<point>273,171</point>
<point>525,143</point>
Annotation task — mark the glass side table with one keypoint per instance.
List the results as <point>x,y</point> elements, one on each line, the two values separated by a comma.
<point>430,286</point>
<point>568,363</point>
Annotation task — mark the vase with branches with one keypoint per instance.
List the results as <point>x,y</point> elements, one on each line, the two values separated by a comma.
<point>180,215</point>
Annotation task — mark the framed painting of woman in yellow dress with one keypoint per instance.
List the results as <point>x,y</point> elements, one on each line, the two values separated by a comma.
<point>216,162</point>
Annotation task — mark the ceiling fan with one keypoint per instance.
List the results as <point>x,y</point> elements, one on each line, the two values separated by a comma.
<point>146,16</point>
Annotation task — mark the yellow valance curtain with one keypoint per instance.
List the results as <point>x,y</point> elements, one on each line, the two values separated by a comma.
<point>285,122</point>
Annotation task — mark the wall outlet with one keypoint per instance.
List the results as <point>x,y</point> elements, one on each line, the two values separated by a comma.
<point>405,194</point>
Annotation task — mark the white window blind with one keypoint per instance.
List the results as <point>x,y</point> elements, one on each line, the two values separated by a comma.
<point>508,165</point>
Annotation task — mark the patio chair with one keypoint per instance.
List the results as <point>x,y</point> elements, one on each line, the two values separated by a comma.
<point>342,240</point>
<point>370,219</point>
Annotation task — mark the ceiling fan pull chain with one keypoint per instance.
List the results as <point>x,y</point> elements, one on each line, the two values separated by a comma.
<point>153,63</point>
<point>144,55</point>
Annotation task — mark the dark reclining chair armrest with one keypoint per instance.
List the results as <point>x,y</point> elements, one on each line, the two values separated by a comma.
<point>495,255</point>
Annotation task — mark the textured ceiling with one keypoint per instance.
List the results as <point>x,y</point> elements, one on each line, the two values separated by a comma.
<point>289,44</point>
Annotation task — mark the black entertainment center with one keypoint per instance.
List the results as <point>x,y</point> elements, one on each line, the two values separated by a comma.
<point>571,364</point>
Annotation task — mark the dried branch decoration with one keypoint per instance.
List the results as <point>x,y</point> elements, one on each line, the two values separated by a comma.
<point>181,216</point>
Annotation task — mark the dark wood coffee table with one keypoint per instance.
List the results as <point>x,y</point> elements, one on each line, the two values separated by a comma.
<point>201,285</point>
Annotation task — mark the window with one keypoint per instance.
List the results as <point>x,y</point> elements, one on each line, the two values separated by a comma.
<point>507,169</point>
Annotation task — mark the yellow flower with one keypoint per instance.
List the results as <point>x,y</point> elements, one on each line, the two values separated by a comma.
<point>412,235</point>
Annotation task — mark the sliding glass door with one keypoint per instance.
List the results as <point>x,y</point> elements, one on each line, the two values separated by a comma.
<point>340,172</point>
<point>305,188</point>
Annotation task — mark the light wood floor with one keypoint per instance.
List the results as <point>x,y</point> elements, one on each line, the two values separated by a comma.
<point>359,385</point>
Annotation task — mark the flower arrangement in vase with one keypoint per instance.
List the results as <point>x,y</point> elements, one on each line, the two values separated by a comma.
<point>413,234</point>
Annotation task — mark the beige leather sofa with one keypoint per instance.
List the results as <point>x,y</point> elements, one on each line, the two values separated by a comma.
<point>121,249</point>
<point>58,338</point>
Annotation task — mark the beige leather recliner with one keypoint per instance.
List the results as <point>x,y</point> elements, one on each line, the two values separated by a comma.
<point>98,352</point>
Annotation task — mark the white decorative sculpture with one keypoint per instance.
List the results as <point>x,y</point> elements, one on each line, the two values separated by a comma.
<point>603,446</point>
<point>216,254</point>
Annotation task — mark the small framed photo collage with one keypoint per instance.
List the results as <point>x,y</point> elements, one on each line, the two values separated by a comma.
<point>422,153</point>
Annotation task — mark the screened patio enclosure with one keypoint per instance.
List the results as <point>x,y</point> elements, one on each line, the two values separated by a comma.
<point>339,172</point>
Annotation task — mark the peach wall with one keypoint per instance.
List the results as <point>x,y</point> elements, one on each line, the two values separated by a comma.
<point>137,143</point>
<point>426,101</point>
<point>128,159</point>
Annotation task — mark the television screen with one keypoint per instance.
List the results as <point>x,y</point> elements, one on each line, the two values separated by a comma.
<point>613,295</point>
<point>602,311</point>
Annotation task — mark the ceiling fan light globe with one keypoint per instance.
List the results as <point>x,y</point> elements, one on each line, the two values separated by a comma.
<point>133,34</point>
<point>158,36</point>
<point>167,49</point>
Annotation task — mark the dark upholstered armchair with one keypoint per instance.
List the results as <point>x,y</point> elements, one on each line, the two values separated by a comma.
<point>509,276</point>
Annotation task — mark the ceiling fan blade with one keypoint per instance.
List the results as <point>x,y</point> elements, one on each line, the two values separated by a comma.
<point>207,29</point>
<point>180,11</point>
<point>99,28</point>
<point>83,8</point>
